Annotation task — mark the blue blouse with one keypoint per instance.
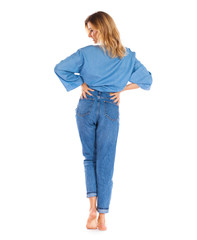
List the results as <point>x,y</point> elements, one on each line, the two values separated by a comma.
<point>101,72</point>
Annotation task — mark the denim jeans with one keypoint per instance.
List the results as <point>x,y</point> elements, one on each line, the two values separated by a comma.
<point>97,120</point>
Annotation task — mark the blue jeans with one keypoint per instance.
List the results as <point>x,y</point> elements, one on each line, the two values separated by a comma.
<point>97,120</point>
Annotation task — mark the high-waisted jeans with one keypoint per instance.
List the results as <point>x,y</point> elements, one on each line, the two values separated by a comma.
<point>97,120</point>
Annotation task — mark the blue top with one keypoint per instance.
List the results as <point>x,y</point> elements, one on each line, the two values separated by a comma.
<point>101,72</point>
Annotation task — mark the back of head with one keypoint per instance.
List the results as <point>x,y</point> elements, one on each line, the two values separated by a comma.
<point>109,37</point>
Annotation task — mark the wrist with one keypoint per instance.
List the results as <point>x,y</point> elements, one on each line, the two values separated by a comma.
<point>124,89</point>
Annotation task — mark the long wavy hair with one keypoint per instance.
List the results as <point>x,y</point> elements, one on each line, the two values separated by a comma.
<point>108,34</point>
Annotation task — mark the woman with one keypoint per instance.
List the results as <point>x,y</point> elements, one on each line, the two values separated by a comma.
<point>103,72</point>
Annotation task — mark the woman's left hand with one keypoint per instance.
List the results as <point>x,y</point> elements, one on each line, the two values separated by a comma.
<point>116,96</point>
<point>85,89</point>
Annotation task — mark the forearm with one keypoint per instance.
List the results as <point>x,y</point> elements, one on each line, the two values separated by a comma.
<point>130,86</point>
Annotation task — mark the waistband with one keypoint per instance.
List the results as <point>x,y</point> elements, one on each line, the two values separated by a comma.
<point>99,93</point>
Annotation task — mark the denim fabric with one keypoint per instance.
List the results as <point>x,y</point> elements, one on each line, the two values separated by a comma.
<point>97,120</point>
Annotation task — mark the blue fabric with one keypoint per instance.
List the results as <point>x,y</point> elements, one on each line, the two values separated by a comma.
<point>97,120</point>
<point>101,72</point>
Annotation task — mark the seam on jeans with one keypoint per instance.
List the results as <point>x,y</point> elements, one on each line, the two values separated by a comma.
<point>112,103</point>
<point>98,109</point>
<point>102,208</point>
<point>90,108</point>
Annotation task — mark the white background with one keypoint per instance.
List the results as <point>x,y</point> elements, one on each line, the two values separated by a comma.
<point>42,181</point>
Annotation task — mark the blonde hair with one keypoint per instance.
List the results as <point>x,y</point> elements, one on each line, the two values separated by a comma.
<point>108,34</point>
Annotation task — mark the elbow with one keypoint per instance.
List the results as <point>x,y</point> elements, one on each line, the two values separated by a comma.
<point>145,86</point>
<point>148,83</point>
<point>151,79</point>
<point>56,68</point>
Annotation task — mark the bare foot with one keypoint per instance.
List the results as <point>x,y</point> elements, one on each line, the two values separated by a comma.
<point>91,222</point>
<point>101,224</point>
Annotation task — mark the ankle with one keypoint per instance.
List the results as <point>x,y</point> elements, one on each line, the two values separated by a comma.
<point>93,209</point>
<point>101,216</point>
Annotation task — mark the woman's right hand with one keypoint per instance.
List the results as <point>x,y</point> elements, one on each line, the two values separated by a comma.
<point>85,89</point>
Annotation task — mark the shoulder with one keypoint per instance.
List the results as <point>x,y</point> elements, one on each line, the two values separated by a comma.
<point>88,48</point>
<point>80,52</point>
<point>91,51</point>
<point>130,52</point>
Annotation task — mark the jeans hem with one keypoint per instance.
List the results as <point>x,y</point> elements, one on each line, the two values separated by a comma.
<point>102,210</point>
<point>91,194</point>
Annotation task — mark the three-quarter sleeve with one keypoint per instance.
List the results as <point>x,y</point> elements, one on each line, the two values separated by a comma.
<point>141,76</point>
<point>66,69</point>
